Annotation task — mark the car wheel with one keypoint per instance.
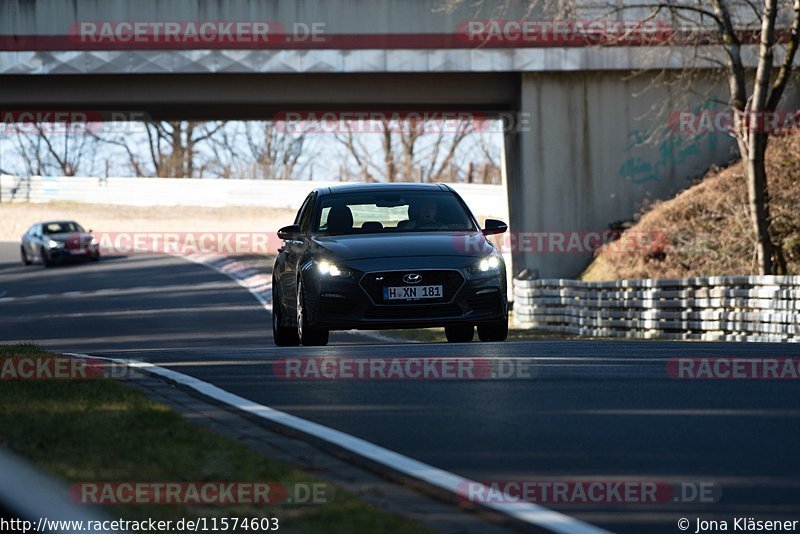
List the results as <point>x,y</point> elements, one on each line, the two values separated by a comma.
<point>95,257</point>
<point>46,260</point>
<point>308,335</point>
<point>25,259</point>
<point>493,332</point>
<point>459,333</point>
<point>284,336</point>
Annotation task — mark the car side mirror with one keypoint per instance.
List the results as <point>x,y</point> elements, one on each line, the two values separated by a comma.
<point>289,232</point>
<point>493,226</point>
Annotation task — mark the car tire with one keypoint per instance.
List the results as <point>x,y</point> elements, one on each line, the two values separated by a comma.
<point>25,259</point>
<point>493,332</point>
<point>309,336</point>
<point>46,260</point>
<point>459,333</point>
<point>284,336</point>
<point>95,257</point>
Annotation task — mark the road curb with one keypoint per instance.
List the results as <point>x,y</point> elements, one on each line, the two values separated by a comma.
<point>431,480</point>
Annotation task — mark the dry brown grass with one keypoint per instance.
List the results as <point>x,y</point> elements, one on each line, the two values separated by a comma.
<point>17,218</point>
<point>708,228</point>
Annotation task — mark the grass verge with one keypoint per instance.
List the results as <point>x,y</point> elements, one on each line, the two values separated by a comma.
<point>101,430</point>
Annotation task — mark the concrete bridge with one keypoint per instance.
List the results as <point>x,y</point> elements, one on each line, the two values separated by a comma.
<point>575,165</point>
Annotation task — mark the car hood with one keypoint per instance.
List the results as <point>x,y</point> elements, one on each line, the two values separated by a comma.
<point>367,246</point>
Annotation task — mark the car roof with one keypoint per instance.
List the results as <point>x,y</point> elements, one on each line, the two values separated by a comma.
<point>392,186</point>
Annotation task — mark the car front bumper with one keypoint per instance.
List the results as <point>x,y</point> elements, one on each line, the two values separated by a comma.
<point>68,254</point>
<point>355,303</point>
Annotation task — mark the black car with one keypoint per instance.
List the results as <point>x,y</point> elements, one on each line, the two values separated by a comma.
<point>58,241</point>
<point>378,256</point>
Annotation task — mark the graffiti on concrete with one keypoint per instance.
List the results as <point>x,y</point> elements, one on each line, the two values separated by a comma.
<point>673,149</point>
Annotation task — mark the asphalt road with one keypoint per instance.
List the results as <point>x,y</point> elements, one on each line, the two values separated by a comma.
<point>590,411</point>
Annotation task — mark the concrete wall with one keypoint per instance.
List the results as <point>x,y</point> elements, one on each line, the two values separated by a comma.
<point>578,167</point>
<point>581,165</point>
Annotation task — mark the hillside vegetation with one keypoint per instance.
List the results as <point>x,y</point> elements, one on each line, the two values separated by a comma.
<point>707,226</point>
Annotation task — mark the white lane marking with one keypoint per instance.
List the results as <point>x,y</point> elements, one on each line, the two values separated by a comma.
<point>105,292</point>
<point>527,512</point>
<point>260,285</point>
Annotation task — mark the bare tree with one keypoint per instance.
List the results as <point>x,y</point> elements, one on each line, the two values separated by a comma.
<point>225,153</point>
<point>720,34</point>
<point>411,150</point>
<point>54,149</point>
<point>173,149</point>
<point>274,153</point>
<point>486,169</point>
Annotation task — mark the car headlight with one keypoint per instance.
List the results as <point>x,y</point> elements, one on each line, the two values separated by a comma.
<point>54,244</point>
<point>489,264</point>
<point>93,241</point>
<point>330,269</point>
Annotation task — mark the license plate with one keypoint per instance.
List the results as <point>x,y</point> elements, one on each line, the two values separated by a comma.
<point>78,251</point>
<point>412,292</point>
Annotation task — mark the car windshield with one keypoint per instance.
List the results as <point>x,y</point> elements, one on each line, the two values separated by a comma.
<point>61,227</point>
<point>392,212</point>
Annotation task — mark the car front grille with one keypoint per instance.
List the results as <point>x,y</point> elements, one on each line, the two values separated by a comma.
<point>373,284</point>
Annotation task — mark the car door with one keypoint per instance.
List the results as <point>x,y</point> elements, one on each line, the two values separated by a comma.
<point>26,242</point>
<point>35,242</point>
<point>293,251</point>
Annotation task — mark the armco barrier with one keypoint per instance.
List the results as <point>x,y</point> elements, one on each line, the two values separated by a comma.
<point>483,199</point>
<point>727,308</point>
<point>28,494</point>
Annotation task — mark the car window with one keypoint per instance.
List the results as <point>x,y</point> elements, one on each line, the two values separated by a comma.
<point>61,227</point>
<point>389,212</point>
<point>304,217</point>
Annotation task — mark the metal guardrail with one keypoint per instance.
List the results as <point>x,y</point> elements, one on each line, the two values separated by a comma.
<point>725,308</point>
<point>28,494</point>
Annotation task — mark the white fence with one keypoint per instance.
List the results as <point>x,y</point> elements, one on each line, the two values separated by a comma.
<point>728,308</point>
<point>483,199</point>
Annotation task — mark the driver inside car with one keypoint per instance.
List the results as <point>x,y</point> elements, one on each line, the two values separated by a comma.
<point>422,214</point>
